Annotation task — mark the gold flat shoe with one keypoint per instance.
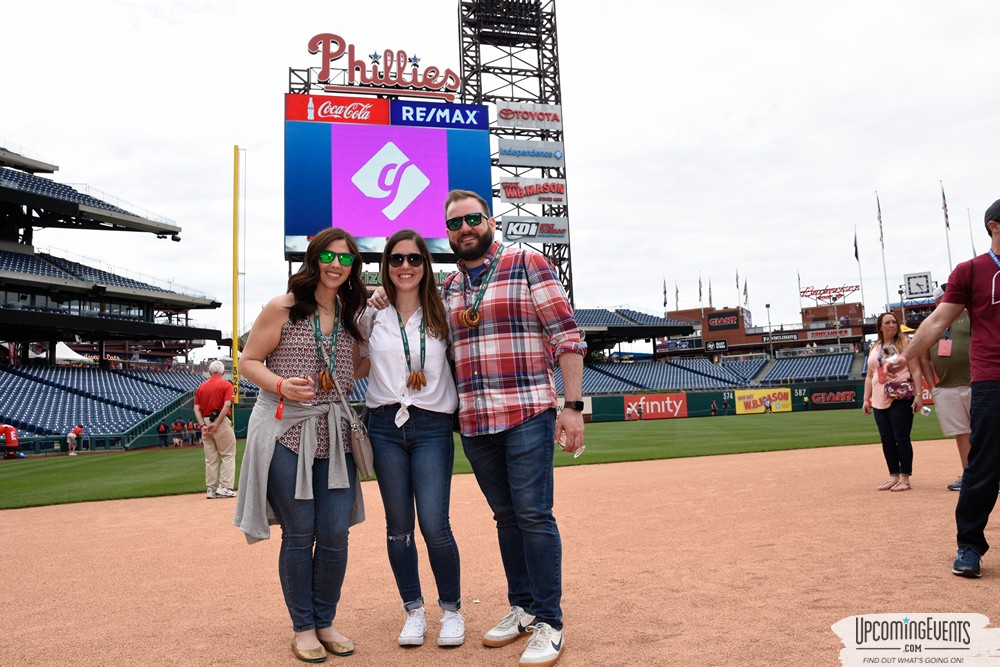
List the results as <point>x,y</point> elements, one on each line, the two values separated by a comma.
<point>309,654</point>
<point>340,649</point>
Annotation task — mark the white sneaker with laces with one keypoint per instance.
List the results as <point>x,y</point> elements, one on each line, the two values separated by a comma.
<point>210,494</point>
<point>224,492</point>
<point>543,648</point>
<point>452,629</point>
<point>414,628</point>
<point>511,627</point>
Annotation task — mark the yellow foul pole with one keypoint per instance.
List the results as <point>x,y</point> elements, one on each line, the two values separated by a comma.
<point>236,274</point>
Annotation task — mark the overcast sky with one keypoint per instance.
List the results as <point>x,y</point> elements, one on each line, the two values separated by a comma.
<point>701,138</point>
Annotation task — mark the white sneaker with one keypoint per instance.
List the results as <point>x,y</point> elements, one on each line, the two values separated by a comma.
<point>224,492</point>
<point>210,494</point>
<point>543,648</point>
<point>414,629</point>
<point>509,628</point>
<point>452,629</point>
<point>72,453</point>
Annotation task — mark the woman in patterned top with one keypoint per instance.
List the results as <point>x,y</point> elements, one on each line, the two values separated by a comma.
<point>308,339</point>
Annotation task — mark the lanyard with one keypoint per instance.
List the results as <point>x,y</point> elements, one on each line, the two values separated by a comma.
<point>327,359</point>
<point>406,342</point>
<point>486,281</point>
<point>996,260</point>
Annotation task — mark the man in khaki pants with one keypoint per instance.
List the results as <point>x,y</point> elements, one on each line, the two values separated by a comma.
<point>212,402</point>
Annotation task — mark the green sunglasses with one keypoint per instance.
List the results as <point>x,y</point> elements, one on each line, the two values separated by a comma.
<point>471,219</point>
<point>345,258</point>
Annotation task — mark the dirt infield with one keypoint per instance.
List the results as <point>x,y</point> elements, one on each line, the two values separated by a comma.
<point>726,560</point>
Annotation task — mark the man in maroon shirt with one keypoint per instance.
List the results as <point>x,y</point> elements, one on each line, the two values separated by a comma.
<point>975,286</point>
<point>212,401</point>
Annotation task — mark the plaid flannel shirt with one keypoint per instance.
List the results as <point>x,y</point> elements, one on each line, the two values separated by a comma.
<point>504,367</point>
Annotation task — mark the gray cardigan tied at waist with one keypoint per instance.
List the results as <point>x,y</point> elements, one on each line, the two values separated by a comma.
<point>254,515</point>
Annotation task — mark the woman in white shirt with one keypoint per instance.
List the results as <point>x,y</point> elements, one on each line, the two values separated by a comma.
<point>412,398</point>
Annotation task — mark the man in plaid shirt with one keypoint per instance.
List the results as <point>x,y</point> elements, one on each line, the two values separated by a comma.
<point>509,319</point>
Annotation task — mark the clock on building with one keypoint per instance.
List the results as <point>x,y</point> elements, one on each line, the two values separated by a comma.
<point>918,285</point>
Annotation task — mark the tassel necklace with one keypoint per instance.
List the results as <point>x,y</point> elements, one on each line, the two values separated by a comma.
<point>327,358</point>
<point>416,381</point>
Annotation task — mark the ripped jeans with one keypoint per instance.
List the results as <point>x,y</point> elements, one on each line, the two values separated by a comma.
<point>414,466</point>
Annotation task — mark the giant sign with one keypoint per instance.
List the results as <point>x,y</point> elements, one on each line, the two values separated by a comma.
<point>724,319</point>
<point>834,396</point>
<point>375,166</point>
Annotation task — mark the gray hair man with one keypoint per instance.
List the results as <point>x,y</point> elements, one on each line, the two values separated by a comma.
<point>212,403</point>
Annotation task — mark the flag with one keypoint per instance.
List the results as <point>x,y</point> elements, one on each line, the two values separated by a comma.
<point>737,281</point>
<point>699,289</point>
<point>710,293</point>
<point>665,305</point>
<point>677,296</point>
<point>881,237</point>
<point>856,257</point>
<point>746,297</point>
<point>944,207</point>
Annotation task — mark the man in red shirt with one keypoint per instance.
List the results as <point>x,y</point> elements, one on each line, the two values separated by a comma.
<point>212,401</point>
<point>975,286</point>
<point>72,437</point>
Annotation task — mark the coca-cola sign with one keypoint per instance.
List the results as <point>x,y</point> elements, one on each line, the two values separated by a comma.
<point>377,71</point>
<point>329,109</point>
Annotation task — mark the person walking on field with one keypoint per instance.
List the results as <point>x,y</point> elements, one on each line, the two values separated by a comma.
<point>973,286</point>
<point>212,402</point>
<point>945,367</point>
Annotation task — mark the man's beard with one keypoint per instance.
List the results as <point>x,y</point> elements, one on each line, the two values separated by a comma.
<point>483,244</point>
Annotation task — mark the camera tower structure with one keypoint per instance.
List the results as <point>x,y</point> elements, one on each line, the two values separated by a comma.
<point>509,52</point>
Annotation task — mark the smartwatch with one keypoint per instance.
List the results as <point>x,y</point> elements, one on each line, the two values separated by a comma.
<point>573,405</point>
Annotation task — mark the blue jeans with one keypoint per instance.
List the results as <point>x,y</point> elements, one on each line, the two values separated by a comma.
<point>414,465</point>
<point>310,580</point>
<point>979,483</point>
<point>894,425</point>
<point>514,471</point>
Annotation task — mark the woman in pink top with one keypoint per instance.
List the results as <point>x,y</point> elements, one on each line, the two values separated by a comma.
<point>894,417</point>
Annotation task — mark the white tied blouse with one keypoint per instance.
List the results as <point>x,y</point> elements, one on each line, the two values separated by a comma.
<point>389,373</point>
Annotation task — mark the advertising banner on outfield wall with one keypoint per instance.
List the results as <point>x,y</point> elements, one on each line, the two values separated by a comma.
<point>541,116</point>
<point>832,397</point>
<point>656,406</point>
<point>531,153</point>
<point>751,401</point>
<point>532,229</point>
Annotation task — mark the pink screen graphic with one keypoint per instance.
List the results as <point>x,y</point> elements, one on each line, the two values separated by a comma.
<point>386,178</point>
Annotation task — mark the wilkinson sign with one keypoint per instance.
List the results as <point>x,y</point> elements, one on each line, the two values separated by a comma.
<point>528,229</point>
<point>531,153</point>
<point>533,191</point>
<point>376,72</point>
<point>540,116</point>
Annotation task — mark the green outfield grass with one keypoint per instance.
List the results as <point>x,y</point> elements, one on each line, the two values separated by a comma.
<point>162,472</point>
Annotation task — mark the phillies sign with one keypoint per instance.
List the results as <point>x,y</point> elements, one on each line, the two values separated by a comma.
<point>389,69</point>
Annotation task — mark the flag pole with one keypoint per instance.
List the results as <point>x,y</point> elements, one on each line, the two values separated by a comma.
<point>947,227</point>
<point>881,240</point>
<point>861,282</point>
<point>971,240</point>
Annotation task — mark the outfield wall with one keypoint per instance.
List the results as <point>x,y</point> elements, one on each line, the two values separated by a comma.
<point>748,400</point>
